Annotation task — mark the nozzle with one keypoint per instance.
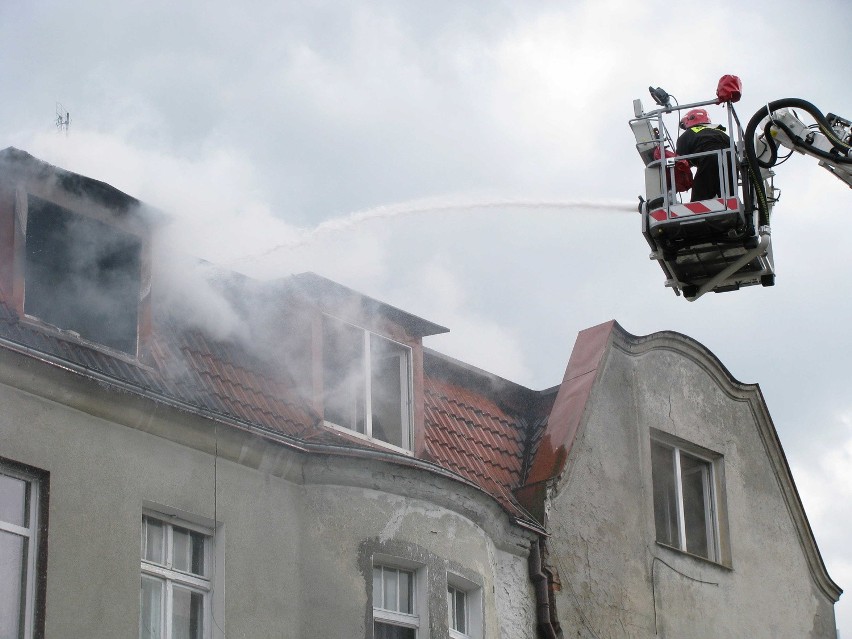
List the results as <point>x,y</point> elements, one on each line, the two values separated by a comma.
<point>660,96</point>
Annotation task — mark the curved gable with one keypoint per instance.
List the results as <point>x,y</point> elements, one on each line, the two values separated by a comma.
<point>685,347</point>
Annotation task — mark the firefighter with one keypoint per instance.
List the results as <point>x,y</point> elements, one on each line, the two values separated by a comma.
<point>700,136</point>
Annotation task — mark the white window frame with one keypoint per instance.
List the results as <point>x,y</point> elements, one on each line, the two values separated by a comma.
<point>711,499</point>
<point>417,620</point>
<point>473,607</point>
<point>172,577</point>
<point>30,534</point>
<point>406,375</point>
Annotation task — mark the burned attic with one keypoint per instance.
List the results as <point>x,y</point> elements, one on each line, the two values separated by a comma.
<point>322,473</point>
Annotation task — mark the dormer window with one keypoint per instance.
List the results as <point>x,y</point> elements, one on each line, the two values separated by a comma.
<point>82,275</point>
<point>367,383</point>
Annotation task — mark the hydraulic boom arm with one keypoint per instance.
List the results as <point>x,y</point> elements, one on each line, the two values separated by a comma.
<point>829,139</point>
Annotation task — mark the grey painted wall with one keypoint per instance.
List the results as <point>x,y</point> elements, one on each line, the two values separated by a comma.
<point>617,581</point>
<point>295,532</point>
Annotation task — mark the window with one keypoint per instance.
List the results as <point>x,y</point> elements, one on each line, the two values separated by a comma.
<point>685,510</point>
<point>19,549</point>
<point>395,614</point>
<point>464,608</point>
<point>175,594</point>
<point>82,275</point>
<point>457,608</point>
<point>367,381</point>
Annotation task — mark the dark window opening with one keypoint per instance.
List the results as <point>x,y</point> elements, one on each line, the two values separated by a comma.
<point>82,275</point>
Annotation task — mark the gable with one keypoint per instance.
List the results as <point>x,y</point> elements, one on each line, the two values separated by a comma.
<point>667,387</point>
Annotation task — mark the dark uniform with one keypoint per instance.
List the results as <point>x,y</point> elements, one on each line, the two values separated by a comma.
<point>699,139</point>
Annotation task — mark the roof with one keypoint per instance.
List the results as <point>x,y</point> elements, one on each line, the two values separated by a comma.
<point>467,433</point>
<point>570,403</point>
<point>330,294</point>
<point>481,426</point>
<point>21,164</point>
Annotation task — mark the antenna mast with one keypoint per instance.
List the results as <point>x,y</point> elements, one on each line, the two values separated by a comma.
<point>63,118</point>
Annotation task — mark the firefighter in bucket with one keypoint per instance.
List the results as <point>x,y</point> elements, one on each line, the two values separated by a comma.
<point>701,136</point>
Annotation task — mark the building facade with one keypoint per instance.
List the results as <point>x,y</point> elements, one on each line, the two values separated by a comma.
<point>322,474</point>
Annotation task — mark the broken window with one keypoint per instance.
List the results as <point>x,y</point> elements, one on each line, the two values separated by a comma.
<point>684,501</point>
<point>82,275</point>
<point>367,383</point>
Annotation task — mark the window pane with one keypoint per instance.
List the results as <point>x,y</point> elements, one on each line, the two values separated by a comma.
<point>387,631</point>
<point>187,612</point>
<point>665,494</point>
<point>451,606</point>
<point>151,609</point>
<point>390,588</point>
<point>461,612</point>
<point>13,577</point>
<point>378,600</point>
<point>180,549</point>
<point>405,592</point>
<point>198,559</point>
<point>188,551</point>
<point>343,375</point>
<point>153,535</point>
<point>14,500</point>
<point>695,477</point>
<point>389,391</point>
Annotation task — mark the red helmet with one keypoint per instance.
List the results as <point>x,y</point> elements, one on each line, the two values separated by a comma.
<point>694,118</point>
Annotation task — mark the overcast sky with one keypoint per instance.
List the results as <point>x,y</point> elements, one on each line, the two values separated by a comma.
<point>252,123</point>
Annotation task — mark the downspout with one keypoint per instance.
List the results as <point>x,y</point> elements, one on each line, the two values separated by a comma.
<point>541,586</point>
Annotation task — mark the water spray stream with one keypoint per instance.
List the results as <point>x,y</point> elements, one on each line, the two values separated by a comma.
<point>357,218</point>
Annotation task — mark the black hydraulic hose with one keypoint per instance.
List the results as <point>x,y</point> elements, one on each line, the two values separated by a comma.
<point>770,142</point>
<point>751,155</point>
<point>754,167</point>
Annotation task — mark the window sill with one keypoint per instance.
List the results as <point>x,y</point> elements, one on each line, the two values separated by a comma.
<point>396,618</point>
<point>35,323</point>
<point>711,562</point>
<point>366,438</point>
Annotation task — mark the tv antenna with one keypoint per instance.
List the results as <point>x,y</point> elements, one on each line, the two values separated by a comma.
<point>63,118</point>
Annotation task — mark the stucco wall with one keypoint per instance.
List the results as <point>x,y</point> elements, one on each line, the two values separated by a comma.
<point>346,526</point>
<point>617,581</point>
<point>295,532</point>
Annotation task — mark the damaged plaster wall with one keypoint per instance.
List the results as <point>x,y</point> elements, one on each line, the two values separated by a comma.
<point>516,613</point>
<point>617,580</point>
<point>358,512</point>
